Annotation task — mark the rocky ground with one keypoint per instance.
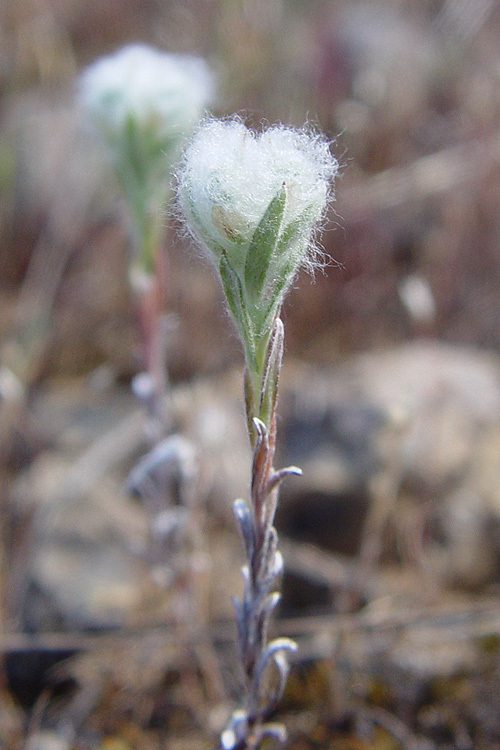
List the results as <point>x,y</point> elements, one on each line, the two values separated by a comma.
<point>391,558</point>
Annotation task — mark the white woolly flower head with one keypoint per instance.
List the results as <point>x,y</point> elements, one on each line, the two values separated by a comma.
<point>163,92</point>
<point>253,200</point>
<point>231,174</point>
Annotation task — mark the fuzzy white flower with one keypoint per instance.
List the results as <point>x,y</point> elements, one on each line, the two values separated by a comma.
<point>165,94</point>
<point>231,174</point>
<point>145,104</point>
<point>254,200</point>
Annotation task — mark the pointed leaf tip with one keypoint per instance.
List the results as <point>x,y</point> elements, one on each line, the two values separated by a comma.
<point>262,246</point>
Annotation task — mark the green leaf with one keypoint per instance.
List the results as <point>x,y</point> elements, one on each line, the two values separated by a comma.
<point>262,245</point>
<point>269,391</point>
<point>234,294</point>
<point>233,290</point>
<point>250,405</point>
<point>274,295</point>
<point>286,259</point>
<point>294,230</point>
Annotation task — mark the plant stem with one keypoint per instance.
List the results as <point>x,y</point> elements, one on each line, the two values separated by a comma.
<point>264,562</point>
<point>148,281</point>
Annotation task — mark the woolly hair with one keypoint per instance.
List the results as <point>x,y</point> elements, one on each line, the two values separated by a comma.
<point>229,175</point>
<point>166,91</point>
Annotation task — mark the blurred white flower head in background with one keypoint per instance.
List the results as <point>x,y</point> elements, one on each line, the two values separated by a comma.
<point>144,104</point>
<point>165,94</point>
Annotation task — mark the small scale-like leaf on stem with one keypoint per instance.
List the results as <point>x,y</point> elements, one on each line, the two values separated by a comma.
<point>244,521</point>
<point>278,644</point>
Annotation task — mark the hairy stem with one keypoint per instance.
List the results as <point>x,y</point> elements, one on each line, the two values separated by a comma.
<point>265,667</point>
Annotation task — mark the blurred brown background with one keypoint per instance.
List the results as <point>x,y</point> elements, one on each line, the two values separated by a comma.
<point>409,94</point>
<point>391,389</point>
